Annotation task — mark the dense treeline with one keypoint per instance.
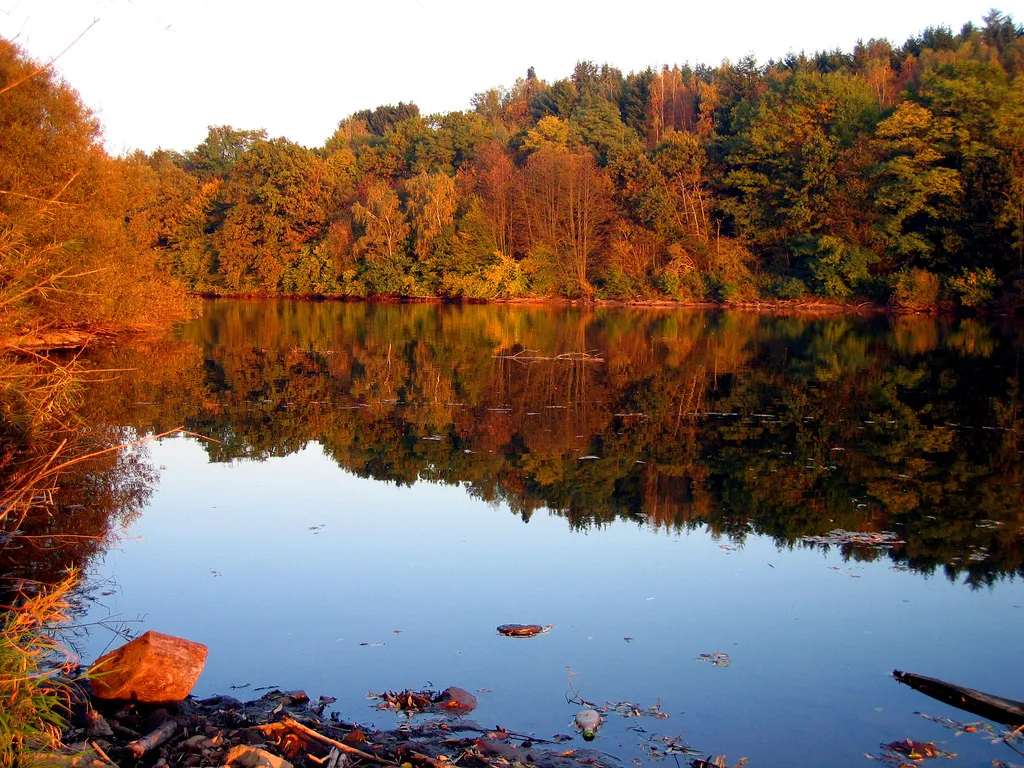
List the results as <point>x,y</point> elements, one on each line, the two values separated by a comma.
<point>739,422</point>
<point>892,173</point>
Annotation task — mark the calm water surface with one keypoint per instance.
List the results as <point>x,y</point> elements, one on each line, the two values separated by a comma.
<point>390,483</point>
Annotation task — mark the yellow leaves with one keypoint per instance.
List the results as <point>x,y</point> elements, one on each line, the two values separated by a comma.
<point>431,206</point>
<point>550,133</point>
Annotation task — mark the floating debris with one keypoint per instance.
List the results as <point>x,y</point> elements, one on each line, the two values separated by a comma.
<point>717,659</point>
<point>860,538</point>
<point>718,762</point>
<point>959,727</point>
<point>450,699</point>
<point>523,630</point>
<point>532,356</point>
<point>588,721</point>
<point>897,753</point>
<point>629,709</point>
<point>673,745</point>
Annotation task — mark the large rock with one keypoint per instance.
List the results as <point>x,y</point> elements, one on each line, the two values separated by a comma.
<point>152,668</point>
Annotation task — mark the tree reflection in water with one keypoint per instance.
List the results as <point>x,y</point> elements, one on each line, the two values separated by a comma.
<point>787,426</point>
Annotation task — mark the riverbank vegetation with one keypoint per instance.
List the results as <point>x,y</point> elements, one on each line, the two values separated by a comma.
<point>75,252</point>
<point>68,482</point>
<point>34,703</point>
<point>893,173</point>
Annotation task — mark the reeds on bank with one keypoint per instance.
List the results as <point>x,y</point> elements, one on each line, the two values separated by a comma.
<point>33,701</point>
<point>37,399</point>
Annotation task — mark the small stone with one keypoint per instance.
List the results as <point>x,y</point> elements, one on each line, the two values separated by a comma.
<point>249,757</point>
<point>458,698</point>
<point>97,726</point>
<point>152,668</point>
<point>197,743</point>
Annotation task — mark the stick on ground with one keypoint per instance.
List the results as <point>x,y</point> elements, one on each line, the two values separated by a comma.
<point>152,740</point>
<point>295,724</point>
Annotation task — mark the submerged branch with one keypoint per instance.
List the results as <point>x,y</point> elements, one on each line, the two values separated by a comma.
<point>532,355</point>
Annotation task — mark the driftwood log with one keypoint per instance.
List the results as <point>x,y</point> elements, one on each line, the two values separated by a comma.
<point>1006,711</point>
<point>152,740</point>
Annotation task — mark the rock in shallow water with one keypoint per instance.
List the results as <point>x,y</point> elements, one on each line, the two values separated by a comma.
<point>457,698</point>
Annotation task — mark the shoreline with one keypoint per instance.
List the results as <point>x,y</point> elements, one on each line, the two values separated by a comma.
<point>77,338</point>
<point>283,728</point>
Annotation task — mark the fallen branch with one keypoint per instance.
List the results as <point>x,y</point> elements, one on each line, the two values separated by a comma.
<point>103,755</point>
<point>296,725</point>
<point>1011,736</point>
<point>531,356</point>
<point>1006,711</point>
<point>152,740</point>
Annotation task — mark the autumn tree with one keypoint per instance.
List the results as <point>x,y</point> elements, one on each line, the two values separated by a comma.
<point>280,200</point>
<point>495,180</point>
<point>917,195</point>
<point>382,244</point>
<point>223,146</point>
<point>567,205</point>
<point>790,170</point>
<point>431,210</point>
<point>69,255</point>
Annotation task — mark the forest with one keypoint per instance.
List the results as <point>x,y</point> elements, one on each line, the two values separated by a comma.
<point>892,175</point>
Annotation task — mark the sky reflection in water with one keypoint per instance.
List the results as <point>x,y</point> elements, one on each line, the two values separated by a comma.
<point>225,555</point>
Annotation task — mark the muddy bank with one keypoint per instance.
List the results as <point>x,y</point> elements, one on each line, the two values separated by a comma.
<point>288,726</point>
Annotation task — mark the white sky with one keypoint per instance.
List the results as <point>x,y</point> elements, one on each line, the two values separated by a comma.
<point>158,72</point>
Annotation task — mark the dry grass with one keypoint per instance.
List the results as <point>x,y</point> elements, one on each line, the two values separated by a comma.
<point>32,699</point>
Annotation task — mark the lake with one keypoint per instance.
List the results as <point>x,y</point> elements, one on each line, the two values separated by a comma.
<point>378,486</point>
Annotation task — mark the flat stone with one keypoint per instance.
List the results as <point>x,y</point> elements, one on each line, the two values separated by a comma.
<point>151,668</point>
<point>242,756</point>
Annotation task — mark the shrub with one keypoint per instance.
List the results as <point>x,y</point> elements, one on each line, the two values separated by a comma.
<point>836,266</point>
<point>916,289</point>
<point>684,286</point>
<point>787,288</point>
<point>619,285</point>
<point>733,290</point>
<point>974,287</point>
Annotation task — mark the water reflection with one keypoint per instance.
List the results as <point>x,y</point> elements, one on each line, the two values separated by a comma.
<point>747,424</point>
<point>65,487</point>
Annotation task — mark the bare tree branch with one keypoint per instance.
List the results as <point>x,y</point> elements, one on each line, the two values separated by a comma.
<point>48,64</point>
